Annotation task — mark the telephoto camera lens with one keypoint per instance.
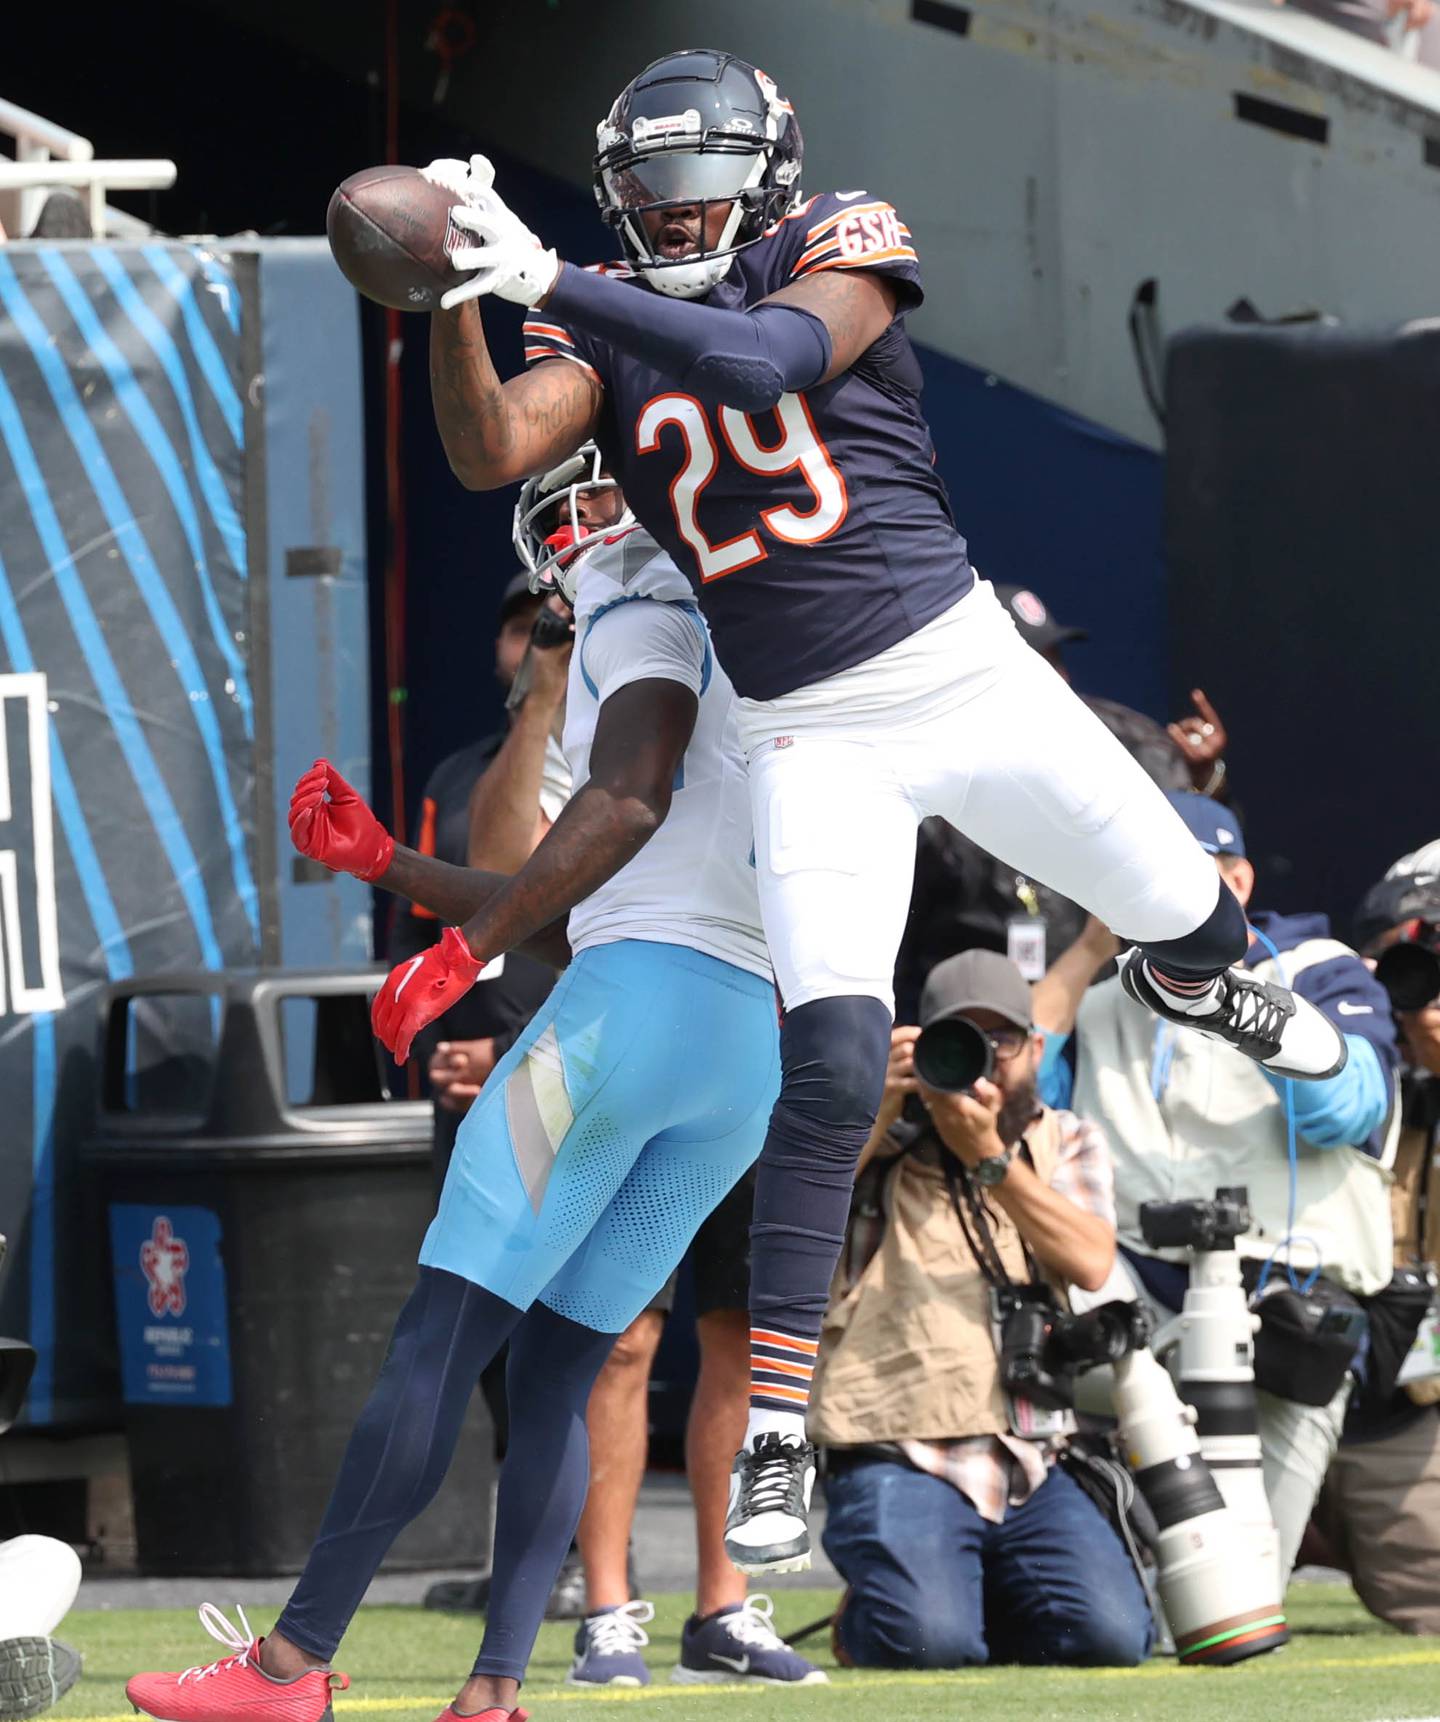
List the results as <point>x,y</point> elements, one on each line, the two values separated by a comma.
<point>1410,973</point>
<point>1210,1345</point>
<point>953,1055</point>
<point>1222,1605</point>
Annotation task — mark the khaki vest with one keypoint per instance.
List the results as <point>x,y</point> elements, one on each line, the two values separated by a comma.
<point>1218,1121</point>
<point>1417,1166</point>
<point>906,1353</point>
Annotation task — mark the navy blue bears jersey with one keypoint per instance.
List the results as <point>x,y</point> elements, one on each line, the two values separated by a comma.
<point>816,533</point>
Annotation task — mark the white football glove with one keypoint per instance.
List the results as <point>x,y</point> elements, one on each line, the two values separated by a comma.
<point>507,259</point>
<point>468,182</point>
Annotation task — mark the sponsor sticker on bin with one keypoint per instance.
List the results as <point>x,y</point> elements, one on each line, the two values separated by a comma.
<point>170,1305</point>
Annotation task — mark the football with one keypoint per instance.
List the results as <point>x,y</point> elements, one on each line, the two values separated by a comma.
<point>390,231</point>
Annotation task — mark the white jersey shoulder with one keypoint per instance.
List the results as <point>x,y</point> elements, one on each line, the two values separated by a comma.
<point>693,883</point>
<point>626,564</point>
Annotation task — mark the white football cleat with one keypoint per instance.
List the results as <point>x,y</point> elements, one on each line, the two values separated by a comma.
<point>1281,1031</point>
<point>766,1529</point>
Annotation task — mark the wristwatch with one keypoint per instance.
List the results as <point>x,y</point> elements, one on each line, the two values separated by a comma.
<point>991,1170</point>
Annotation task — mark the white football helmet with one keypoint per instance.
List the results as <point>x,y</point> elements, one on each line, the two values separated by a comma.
<point>547,528</point>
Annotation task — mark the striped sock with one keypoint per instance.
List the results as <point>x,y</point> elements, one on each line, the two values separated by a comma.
<point>1191,995</point>
<point>781,1368</point>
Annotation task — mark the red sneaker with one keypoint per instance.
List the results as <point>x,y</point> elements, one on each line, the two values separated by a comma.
<point>236,1688</point>
<point>497,1713</point>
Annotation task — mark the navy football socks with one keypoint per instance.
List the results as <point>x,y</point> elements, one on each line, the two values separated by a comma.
<point>833,1054</point>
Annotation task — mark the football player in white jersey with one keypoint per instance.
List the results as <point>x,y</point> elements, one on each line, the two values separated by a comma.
<point>636,1098</point>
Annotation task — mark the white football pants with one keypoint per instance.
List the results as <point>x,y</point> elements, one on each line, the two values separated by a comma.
<point>39,1577</point>
<point>964,720</point>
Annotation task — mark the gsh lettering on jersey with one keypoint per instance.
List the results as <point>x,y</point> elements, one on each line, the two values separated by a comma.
<point>815,534</point>
<point>871,233</point>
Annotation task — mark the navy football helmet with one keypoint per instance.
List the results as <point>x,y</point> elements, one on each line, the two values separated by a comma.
<point>695,129</point>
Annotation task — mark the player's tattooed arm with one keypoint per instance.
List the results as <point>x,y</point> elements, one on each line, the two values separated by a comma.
<point>640,739</point>
<point>496,433</point>
<point>856,306</point>
<point>454,894</point>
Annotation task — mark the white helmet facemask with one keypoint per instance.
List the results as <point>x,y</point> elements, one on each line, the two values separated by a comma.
<point>547,531</point>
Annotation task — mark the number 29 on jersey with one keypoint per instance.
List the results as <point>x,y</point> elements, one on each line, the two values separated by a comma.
<point>798,449</point>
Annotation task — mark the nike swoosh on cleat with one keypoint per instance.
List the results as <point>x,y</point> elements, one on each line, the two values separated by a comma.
<point>741,1664</point>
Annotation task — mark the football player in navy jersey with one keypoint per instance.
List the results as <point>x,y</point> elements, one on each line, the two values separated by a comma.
<point>746,371</point>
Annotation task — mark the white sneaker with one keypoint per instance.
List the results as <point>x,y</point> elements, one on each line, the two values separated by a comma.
<point>770,1486</point>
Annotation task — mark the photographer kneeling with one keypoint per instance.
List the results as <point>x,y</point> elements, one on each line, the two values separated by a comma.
<point>1185,1117</point>
<point>960,1537</point>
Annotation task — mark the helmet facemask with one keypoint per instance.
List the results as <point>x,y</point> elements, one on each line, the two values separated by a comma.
<point>547,530</point>
<point>747,162</point>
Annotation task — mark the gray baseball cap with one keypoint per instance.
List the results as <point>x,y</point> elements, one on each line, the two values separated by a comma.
<point>976,980</point>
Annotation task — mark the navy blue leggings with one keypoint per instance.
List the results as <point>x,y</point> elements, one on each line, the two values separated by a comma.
<point>832,1060</point>
<point>403,1443</point>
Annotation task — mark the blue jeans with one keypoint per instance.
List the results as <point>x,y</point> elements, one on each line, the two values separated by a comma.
<point>933,1585</point>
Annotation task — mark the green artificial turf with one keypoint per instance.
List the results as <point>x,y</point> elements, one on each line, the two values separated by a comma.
<point>1341,1666</point>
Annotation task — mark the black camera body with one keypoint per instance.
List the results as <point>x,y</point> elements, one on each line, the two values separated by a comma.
<point>953,1054</point>
<point>1197,1225</point>
<point>551,629</point>
<point>1409,970</point>
<point>1043,1348</point>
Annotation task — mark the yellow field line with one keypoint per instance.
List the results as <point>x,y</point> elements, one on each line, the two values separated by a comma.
<point>866,1683</point>
<point>618,1694</point>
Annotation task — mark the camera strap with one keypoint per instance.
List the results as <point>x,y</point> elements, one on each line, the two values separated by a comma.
<point>981,1239</point>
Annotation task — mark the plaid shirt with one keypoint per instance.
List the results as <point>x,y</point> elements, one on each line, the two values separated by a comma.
<point>994,1472</point>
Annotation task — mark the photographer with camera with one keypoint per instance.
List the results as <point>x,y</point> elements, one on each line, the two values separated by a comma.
<point>1186,1116</point>
<point>1379,1511</point>
<point>960,1534</point>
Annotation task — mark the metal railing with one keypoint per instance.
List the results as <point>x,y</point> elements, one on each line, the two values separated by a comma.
<point>48,155</point>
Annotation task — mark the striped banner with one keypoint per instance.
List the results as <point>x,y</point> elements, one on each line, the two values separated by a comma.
<point>127,721</point>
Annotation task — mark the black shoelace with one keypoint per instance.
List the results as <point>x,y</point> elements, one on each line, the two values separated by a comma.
<point>1257,1013</point>
<point>772,1477</point>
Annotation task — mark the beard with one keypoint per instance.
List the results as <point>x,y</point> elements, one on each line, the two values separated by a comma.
<point>1018,1112</point>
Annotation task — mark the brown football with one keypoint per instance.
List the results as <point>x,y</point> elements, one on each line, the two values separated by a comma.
<point>389,230</point>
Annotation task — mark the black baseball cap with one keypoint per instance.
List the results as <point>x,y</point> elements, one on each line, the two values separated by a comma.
<point>976,980</point>
<point>1039,628</point>
<point>1393,902</point>
<point>516,595</point>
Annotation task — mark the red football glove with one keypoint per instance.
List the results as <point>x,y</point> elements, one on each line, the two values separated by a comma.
<point>416,992</point>
<point>341,833</point>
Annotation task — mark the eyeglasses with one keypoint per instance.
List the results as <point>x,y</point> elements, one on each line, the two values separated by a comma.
<point>1006,1043</point>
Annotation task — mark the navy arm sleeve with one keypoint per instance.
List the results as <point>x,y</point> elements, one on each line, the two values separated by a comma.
<point>741,359</point>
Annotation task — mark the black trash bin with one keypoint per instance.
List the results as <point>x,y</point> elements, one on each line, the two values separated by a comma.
<point>265,1199</point>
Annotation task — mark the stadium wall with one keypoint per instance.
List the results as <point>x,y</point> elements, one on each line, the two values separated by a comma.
<point>182,618</point>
